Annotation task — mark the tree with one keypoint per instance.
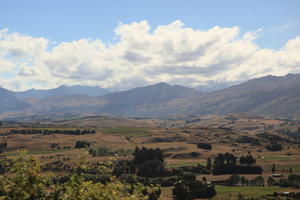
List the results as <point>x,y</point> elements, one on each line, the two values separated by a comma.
<point>208,164</point>
<point>3,147</point>
<point>233,180</point>
<point>273,168</point>
<point>181,192</point>
<point>271,181</point>
<point>259,180</point>
<point>249,160</point>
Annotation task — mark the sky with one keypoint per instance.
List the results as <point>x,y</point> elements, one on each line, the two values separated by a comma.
<point>125,44</point>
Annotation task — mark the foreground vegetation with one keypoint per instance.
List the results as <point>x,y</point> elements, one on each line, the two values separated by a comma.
<point>24,180</point>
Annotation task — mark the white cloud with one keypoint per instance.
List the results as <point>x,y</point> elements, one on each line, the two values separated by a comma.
<point>171,53</point>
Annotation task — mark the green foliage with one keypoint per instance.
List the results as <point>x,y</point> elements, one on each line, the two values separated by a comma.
<point>149,162</point>
<point>25,181</point>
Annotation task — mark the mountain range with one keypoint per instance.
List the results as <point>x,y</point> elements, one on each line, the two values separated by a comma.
<point>274,96</point>
<point>62,91</point>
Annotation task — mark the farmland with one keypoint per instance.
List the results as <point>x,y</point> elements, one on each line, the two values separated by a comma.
<point>175,138</point>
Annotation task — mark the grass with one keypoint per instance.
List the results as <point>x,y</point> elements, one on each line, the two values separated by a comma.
<point>126,131</point>
<point>277,157</point>
<point>35,152</point>
<point>184,164</point>
<point>247,191</point>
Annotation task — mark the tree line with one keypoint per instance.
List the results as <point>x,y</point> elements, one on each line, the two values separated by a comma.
<point>52,131</point>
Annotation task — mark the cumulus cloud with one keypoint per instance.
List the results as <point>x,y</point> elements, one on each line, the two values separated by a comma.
<point>143,55</point>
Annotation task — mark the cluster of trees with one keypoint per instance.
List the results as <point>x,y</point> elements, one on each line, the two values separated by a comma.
<point>227,164</point>
<point>248,140</point>
<point>241,180</point>
<point>293,180</point>
<point>3,146</point>
<point>248,160</point>
<point>190,188</point>
<point>145,163</point>
<point>149,162</point>
<point>82,144</point>
<point>52,131</point>
<point>25,181</point>
<point>202,145</point>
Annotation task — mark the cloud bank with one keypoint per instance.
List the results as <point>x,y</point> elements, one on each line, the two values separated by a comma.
<point>170,53</point>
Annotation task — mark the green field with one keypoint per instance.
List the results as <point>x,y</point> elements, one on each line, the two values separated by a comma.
<point>181,165</point>
<point>185,164</point>
<point>228,192</point>
<point>277,157</point>
<point>126,131</point>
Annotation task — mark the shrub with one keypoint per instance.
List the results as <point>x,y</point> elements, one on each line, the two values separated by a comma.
<point>81,144</point>
<point>274,147</point>
<point>203,145</point>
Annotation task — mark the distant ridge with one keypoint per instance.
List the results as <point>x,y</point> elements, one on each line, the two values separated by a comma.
<point>62,91</point>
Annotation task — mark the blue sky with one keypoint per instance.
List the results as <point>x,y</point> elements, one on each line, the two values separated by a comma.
<point>124,44</point>
<point>67,20</point>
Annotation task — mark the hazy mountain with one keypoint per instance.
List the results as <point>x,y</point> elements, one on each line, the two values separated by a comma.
<point>214,86</point>
<point>269,95</point>
<point>62,91</point>
<point>9,101</point>
<point>153,100</point>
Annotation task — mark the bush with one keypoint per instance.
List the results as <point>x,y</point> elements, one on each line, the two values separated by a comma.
<point>203,145</point>
<point>274,147</point>
<point>81,144</point>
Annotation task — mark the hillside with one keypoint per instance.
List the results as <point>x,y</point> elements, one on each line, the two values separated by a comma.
<point>151,101</point>
<point>9,102</point>
<point>270,96</point>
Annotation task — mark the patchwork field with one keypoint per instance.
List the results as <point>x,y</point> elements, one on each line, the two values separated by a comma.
<point>176,138</point>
